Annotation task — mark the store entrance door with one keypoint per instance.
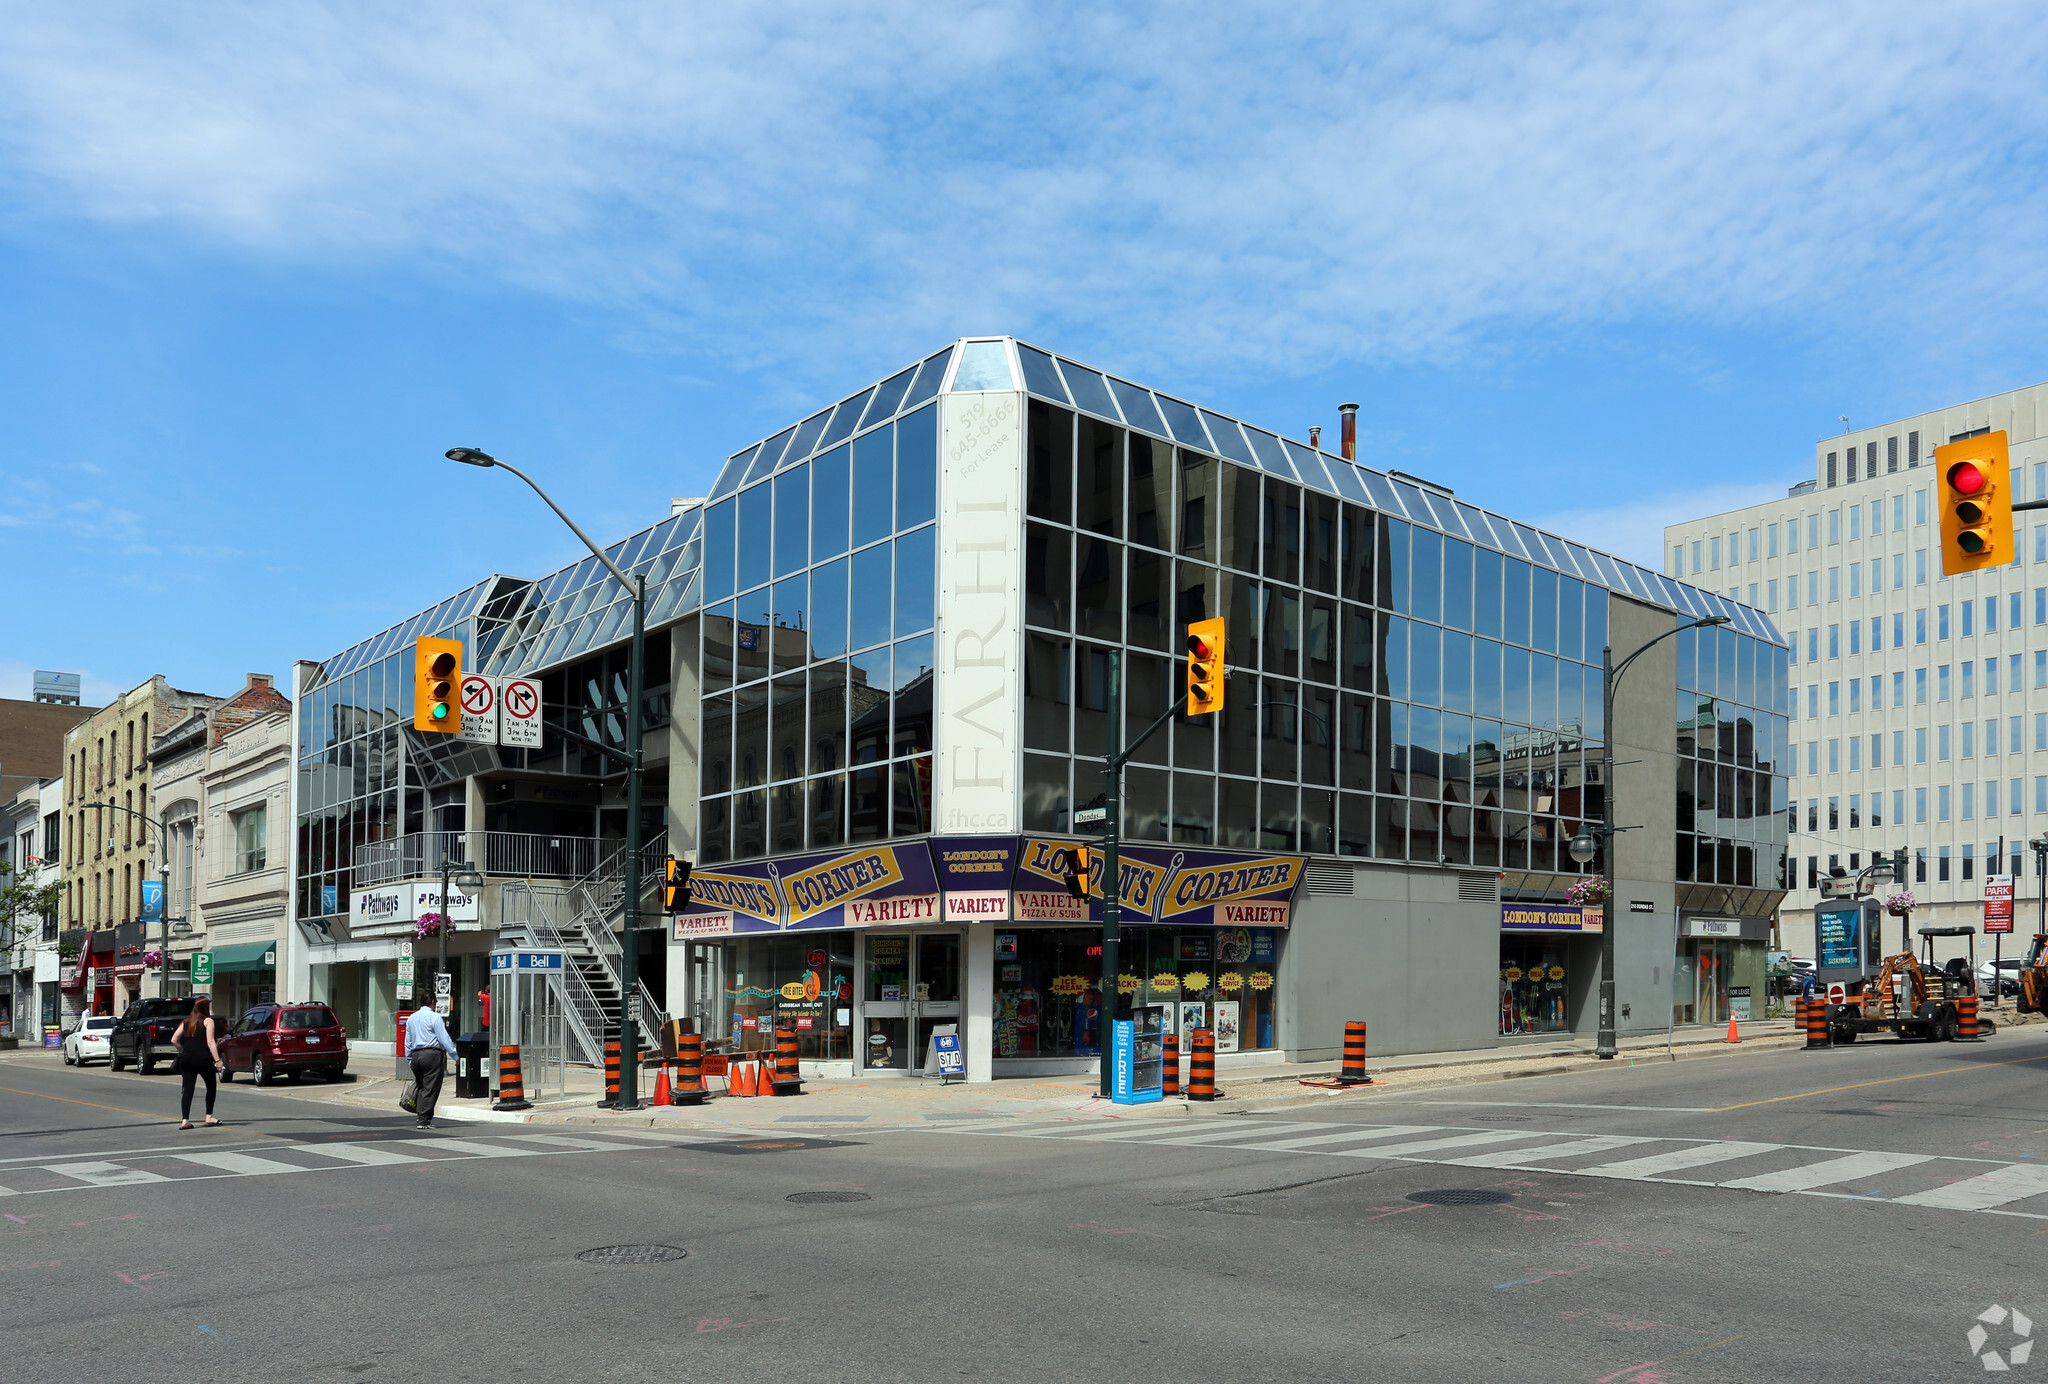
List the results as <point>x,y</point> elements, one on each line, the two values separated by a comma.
<point>912,985</point>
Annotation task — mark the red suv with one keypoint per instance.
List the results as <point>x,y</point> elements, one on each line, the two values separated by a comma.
<point>287,1039</point>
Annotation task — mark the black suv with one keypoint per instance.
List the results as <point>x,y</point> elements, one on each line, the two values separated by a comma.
<point>147,1031</point>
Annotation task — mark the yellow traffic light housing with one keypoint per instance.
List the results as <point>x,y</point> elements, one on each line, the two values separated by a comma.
<point>675,886</point>
<point>1077,871</point>
<point>437,685</point>
<point>1205,667</point>
<point>1976,505</point>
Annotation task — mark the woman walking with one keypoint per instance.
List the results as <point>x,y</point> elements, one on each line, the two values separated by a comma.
<point>198,1055</point>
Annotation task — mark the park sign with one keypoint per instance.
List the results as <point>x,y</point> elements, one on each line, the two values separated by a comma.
<point>202,968</point>
<point>1998,903</point>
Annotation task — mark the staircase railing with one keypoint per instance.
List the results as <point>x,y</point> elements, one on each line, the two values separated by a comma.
<point>525,907</point>
<point>596,901</point>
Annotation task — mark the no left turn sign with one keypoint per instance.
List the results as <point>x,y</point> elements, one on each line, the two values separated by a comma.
<point>479,709</point>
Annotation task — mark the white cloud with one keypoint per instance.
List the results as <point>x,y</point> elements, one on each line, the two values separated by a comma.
<point>1222,184</point>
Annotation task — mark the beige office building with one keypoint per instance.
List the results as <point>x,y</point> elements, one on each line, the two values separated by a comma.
<point>1919,703</point>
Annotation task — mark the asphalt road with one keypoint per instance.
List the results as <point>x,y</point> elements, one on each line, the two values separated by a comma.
<point>313,1242</point>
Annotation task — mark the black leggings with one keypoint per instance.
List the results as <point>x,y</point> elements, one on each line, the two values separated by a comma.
<point>190,1075</point>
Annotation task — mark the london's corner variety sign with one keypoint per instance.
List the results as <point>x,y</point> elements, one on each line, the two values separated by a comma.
<point>984,879</point>
<point>1544,917</point>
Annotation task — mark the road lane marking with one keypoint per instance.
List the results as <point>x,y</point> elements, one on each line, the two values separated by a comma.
<point>117,1109</point>
<point>480,1150</point>
<point>1678,1160</point>
<point>1987,1190</point>
<point>102,1174</point>
<point>1213,1136</point>
<point>1833,1170</point>
<point>1881,1081</point>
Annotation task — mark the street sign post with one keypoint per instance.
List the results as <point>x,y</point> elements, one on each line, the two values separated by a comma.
<point>519,720</point>
<point>1998,891</point>
<point>202,968</point>
<point>479,710</point>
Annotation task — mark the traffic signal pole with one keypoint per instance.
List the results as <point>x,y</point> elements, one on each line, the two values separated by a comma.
<point>1115,756</point>
<point>629,927</point>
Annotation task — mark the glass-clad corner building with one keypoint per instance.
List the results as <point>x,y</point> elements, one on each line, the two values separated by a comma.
<point>887,636</point>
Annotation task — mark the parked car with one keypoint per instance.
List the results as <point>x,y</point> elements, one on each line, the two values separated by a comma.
<point>2003,974</point>
<point>88,1042</point>
<point>275,1040</point>
<point>145,1034</point>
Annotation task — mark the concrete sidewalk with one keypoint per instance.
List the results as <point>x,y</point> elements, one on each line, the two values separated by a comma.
<point>908,1102</point>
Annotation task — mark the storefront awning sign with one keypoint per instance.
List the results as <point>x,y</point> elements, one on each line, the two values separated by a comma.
<point>1543,917</point>
<point>868,886</point>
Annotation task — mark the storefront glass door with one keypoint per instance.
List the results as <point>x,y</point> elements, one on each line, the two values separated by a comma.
<point>912,984</point>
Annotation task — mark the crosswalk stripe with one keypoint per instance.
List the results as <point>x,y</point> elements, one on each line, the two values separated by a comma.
<point>470,1146</point>
<point>562,1141</point>
<point>106,1174</point>
<point>1506,1158</point>
<point>1349,1136</point>
<point>1678,1160</point>
<point>369,1155</point>
<point>1833,1170</point>
<point>240,1163</point>
<point>1994,1188</point>
<point>1220,1136</point>
<point>1459,1141</point>
<point>1095,1134</point>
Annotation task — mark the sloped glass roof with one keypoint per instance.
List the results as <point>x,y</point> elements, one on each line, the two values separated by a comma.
<point>525,626</point>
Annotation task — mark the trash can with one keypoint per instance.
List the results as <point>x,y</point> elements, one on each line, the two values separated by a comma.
<point>472,1056</point>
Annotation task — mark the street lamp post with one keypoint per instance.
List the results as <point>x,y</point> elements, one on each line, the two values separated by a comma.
<point>629,964</point>
<point>464,873</point>
<point>1583,846</point>
<point>163,836</point>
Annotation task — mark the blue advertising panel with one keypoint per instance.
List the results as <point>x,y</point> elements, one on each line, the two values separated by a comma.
<point>1838,932</point>
<point>1136,1070</point>
<point>152,901</point>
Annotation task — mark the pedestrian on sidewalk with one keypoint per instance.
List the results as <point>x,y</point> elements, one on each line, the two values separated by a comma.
<point>428,1048</point>
<point>198,1040</point>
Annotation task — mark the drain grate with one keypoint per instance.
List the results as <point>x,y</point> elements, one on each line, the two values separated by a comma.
<point>1461,1196</point>
<point>813,1198</point>
<point>632,1254</point>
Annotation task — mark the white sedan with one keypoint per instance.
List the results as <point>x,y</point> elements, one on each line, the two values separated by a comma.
<point>88,1042</point>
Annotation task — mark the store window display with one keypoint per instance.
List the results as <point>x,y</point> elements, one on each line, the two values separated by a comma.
<point>739,989</point>
<point>1049,986</point>
<point>1534,986</point>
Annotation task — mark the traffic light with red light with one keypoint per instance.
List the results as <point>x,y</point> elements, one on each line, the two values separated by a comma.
<point>437,684</point>
<point>675,886</point>
<point>1976,504</point>
<point>1077,871</point>
<point>1205,667</point>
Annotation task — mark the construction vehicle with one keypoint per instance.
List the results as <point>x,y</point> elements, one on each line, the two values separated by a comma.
<point>1869,992</point>
<point>2034,978</point>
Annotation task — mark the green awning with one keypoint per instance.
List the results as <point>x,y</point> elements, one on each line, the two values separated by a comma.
<point>245,956</point>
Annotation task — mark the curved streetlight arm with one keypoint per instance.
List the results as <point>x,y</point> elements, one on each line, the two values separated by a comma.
<point>595,551</point>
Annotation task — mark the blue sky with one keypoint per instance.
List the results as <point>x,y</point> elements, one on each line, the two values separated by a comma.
<point>1608,266</point>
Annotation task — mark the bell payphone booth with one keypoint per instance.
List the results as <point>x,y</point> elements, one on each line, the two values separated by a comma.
<point>528,1008</point>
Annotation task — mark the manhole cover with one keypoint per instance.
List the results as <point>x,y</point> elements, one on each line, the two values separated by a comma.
<point>632,1254</point>
<point>1461,1196</point>
<point>1502,1119</point>
<point>812,1198</point>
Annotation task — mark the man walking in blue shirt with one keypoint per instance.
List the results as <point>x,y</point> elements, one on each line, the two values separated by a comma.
<point>428,1047</point>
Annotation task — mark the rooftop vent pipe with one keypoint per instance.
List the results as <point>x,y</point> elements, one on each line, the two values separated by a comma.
<point>1348,430</point>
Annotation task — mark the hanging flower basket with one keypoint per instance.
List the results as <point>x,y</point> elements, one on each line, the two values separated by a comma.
<point>428,925</point>
<point>152,959</point>
<point>1901,904</point>
<point>1587,893</point>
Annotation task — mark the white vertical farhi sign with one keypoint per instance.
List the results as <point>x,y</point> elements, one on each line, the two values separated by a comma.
<point>981,458</point>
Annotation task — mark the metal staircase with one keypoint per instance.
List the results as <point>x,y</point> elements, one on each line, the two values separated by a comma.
<point>582,920</point>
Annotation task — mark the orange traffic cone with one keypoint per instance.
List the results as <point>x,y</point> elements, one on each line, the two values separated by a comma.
<point>1731,1030</point>
<point>661,1092</point>
<point>743,1079</point>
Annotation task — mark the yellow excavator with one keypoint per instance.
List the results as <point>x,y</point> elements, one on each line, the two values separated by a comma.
<point>2034,978</point>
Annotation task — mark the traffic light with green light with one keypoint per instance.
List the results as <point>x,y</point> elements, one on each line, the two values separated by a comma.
<point>437,684</point>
